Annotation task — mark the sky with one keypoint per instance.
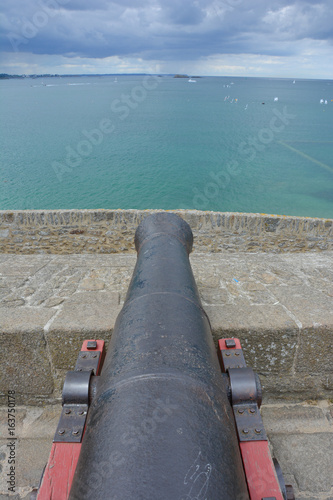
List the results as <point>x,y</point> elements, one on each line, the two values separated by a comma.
<point>268,38</point>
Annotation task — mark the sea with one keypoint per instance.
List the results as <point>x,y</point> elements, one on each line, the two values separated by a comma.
<point>230,144</point>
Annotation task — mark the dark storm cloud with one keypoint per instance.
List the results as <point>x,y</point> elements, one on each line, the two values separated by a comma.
<point>163,29</point>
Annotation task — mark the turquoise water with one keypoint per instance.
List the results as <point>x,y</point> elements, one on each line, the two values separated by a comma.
<point>148,142</point>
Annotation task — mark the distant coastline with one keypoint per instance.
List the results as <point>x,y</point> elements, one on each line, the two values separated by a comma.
<point>6,76</point>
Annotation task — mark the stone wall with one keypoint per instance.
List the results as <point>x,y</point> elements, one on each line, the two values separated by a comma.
<point>266,279</point>
<point>112,231</point>
<point>278,305</point>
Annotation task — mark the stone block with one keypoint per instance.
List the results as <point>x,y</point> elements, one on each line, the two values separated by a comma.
<point>253,286</point>
<point>267,334</point>
<point>119,277</point>
<point>308,457</point>
<point>92,284</point>
<point>315,353</point>
<point>25,366</point>
<point>54,301</point>
<point>295,388</point>
<point>294,419</point>
<point>32,421</point>
<point>261,297</point>
<point>84,315</point>
<point>12,301</point>
<point>269,278</point>
<point>210,295</point>
<point>309,305</point>
<point>32,455</point>
<point>20,267</point>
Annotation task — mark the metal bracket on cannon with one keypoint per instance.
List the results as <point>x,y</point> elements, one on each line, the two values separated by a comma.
<point>59,471</point>
<point>75,402</point>
<point>245,404</point>
<point>246,396</point>
<point>75,395</point>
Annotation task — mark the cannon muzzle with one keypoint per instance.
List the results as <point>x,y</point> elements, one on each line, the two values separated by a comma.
<point>160,426</point>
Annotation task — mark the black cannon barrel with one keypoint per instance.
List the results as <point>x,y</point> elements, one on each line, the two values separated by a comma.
<point>160,426</point>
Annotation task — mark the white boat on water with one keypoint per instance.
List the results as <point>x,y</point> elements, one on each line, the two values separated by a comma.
<point>192,81</point>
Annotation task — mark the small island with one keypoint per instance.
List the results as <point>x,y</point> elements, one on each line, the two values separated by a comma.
<point>186,76</point>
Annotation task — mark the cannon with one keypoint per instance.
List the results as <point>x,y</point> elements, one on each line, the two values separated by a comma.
<point>158,420</point>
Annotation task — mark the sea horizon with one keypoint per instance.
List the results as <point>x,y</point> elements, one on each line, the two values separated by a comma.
<point>186,75</point>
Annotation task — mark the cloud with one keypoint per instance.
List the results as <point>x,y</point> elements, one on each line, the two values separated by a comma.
<point>165,30</point>
<point>301,21</point>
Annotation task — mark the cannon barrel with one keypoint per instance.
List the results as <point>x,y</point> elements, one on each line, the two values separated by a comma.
<point>160,426</point>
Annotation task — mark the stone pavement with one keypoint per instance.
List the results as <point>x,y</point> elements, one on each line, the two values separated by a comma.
<point>279,305</point>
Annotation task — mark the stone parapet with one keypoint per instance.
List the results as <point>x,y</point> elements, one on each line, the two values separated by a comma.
<point>279,305</point>
<point>112,231</point>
